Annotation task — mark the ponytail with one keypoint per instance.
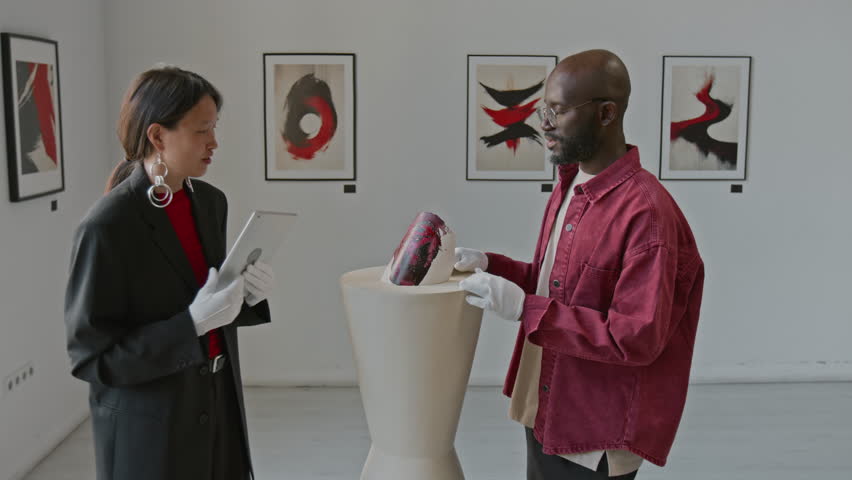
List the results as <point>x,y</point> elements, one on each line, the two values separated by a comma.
<point>119,174</point>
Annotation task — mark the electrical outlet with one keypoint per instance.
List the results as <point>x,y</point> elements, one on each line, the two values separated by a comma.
<point>15,380</point>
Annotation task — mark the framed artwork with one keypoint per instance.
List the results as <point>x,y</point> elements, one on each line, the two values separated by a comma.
<point>504,137</point>
<point>704,131</point>
<point>309,116</point>
<point>33,117</point>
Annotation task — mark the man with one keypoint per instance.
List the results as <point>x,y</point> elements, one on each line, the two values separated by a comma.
<point>609,306</point>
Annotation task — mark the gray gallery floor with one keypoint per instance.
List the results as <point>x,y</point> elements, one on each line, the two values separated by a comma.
<point>772,431</point>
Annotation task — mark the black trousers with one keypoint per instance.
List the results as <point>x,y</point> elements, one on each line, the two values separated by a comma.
<point>541,466</point>
<point>229,452</point>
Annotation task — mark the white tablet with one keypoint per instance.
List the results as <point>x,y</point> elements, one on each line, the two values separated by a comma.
<point>259,240</point>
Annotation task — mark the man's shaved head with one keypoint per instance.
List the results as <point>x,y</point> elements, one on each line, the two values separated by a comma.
<point>594,74</point>
<point>588,94</point>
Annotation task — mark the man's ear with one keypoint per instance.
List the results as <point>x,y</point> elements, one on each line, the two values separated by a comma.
<point>608,113</point>
<point>155,136</point>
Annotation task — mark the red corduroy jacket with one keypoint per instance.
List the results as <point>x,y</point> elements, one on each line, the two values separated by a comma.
<point>618,326</point>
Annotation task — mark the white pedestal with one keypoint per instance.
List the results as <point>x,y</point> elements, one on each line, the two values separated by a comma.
<point>414,350</point>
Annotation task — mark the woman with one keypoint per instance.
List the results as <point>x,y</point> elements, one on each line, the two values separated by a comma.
<point>160,354</point>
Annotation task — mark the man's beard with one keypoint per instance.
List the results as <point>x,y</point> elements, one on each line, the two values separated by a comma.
<point>576,148</point>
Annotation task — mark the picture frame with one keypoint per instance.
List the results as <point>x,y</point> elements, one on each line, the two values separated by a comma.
<point>309,113</point>
<point>504,137</point>
<point>33,116</point>
<point>704,117</point>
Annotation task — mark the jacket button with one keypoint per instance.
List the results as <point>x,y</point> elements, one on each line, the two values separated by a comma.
<point>569,227</point>
<point>545,388</point>
<point>556,283</point>
<point>204,370</point>
<point>203,418</point>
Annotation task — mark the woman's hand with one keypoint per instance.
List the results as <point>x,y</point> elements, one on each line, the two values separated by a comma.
<point>259,281</point>
<point>213,309</point>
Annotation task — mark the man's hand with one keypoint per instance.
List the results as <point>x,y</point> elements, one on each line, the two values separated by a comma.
<point>468,260</point>
<point>494,293</point>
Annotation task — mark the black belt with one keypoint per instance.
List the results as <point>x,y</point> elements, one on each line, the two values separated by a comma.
<point>217,363</point>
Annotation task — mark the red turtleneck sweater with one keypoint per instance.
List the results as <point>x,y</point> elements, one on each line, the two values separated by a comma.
<point>180,214</point>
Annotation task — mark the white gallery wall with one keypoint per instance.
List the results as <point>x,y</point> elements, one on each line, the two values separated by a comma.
<point>36,242</point>
<point>776,255</point>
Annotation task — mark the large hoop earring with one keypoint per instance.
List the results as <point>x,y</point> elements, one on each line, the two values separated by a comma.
<point>159,171</point>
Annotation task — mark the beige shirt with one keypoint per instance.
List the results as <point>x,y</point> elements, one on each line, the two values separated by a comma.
<point>524,404</point>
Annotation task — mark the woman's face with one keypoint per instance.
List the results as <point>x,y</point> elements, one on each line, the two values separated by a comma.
<point>188,148</point>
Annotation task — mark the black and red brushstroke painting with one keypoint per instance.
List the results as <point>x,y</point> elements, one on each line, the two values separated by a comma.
<point>309,95</point>
<point>513,118</point>
<point>37,116</point>
<point>417,250</point>
<point>695,130</point>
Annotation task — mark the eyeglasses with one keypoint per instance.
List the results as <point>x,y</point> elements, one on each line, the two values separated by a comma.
<point>547,114</point>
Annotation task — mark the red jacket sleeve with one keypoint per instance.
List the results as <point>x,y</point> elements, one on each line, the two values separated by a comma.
<point>649,298</point>
<point>521,273</point>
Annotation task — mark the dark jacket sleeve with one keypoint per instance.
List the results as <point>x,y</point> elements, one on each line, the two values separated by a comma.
<point>104,346</point>
<point>251,316</point>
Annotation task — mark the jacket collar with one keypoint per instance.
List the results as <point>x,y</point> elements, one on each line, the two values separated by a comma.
<point>164,233</point>
<point>603,183</point>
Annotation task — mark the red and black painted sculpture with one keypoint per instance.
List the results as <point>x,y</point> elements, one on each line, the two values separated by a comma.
<point>425,255</point>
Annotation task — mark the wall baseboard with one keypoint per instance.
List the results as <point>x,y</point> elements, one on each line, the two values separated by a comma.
<point>298,381</point>
<point>56,437</point>
<point>754,372</point>
<point>744,372</point>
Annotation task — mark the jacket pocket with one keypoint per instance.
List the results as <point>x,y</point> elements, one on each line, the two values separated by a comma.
<point>103,428</point>
<point>142,448</point>
<point>153,400</point>
<point>594,288</point>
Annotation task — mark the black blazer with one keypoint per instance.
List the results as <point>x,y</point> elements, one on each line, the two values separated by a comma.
<point>130,335</point>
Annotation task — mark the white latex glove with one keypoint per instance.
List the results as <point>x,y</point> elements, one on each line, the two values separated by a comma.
<point>468,260</point>
<point>211,309</point>
<point>260,280</point>
<point>494,293</point>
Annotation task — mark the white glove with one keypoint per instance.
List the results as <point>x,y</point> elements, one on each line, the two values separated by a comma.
<point>260,280</point>
<point>494,293</point>
<point>468,260</point>
<point>211,309</point>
